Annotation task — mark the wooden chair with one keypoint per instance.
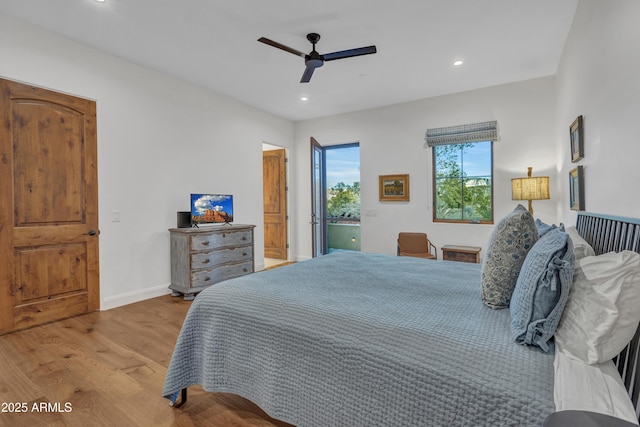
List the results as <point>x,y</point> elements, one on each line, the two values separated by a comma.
<point>416,245</point>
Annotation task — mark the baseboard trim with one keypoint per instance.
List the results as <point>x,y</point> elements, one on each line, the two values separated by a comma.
<point>130,297</point>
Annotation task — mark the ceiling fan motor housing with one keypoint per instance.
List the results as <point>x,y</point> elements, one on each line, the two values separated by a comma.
<point>313,59</point>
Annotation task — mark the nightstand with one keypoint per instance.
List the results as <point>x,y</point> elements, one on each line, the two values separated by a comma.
<point>461,253</point>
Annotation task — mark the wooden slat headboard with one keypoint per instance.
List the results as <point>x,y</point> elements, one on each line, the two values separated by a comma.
<point>607,233</point>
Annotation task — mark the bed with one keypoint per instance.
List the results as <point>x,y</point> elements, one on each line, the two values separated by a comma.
<point>368,339</point>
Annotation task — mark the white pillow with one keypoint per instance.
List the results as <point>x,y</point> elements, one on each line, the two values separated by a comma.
<point>594,388</point>
<point>581,248</point>
<point>601,315</point>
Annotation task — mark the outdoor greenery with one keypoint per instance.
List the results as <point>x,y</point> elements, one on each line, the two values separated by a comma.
<point>343,201</point>
<point>459,196</point>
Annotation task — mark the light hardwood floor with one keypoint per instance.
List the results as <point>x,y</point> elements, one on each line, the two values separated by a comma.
<point>108,368</point>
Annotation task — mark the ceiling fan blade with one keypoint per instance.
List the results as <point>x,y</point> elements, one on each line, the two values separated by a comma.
<point>308,72</point>
<point>349,53</point>
<point>281,46</point>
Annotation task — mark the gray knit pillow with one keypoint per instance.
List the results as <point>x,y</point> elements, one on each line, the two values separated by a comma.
<point>508,246</point>
<point>542,290</point>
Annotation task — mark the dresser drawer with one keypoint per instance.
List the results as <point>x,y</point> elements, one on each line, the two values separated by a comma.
<point>215,258</point>
<point>220,239</point>
<point>217,274</point>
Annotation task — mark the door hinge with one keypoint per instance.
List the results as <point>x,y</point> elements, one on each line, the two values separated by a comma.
<point>287,246</point>
<point>286,159</point>
<point>286,188</point>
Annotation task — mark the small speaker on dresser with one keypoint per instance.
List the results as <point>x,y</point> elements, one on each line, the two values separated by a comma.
<point>184,219</point>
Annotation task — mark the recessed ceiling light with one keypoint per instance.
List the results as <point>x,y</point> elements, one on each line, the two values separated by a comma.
<point>458,62</point>
<point>304,98</point>
<point>101,1</point>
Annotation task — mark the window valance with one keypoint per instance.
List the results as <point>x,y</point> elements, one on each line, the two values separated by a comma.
<point>474,132</point>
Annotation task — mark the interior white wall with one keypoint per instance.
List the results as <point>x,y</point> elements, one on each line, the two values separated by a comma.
<point>392,142</point>
<point>599,78</point>
<point>159,139</point>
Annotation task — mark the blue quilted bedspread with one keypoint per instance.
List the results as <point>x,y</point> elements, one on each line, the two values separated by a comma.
<point>354,339</point>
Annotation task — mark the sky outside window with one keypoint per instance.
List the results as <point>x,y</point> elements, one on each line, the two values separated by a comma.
<point>343,165</point>
<point>477,159</point>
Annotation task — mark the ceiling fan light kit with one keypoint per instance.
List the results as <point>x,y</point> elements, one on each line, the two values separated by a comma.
<point>313,59</point>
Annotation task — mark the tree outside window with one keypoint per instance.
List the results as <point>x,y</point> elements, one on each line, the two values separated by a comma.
<point>463,182</point>
<point>343,202</point>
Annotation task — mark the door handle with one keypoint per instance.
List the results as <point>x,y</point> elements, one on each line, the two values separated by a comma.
<point>92,232</point>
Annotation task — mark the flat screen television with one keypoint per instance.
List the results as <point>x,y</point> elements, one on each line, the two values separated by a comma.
<point>211,208</point>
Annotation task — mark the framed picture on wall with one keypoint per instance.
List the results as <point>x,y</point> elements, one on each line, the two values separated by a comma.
<point>576,189</point>
<point>576,134</point>
<point>393,188</point>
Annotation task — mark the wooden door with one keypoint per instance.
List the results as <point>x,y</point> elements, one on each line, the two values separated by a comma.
<point>275,203</point>
<point>48,206</point>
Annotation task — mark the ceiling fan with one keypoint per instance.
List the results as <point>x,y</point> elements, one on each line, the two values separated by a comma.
<point>315,60</point>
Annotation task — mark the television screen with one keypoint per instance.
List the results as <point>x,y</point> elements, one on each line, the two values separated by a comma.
<point>211,208</point>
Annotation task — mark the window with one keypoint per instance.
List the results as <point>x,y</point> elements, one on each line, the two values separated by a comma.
<point>463,182</point>
<point>463,171</point>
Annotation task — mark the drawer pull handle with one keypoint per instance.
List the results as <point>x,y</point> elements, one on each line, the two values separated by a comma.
<point>244,270</point>
<point>206,279</point>
<point>224,235</point>
<point>206,261</point>
<point>244,254</point>
<point>244,237</point>
<point>205,243</point>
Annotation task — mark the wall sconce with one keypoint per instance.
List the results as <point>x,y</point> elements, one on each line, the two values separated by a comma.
<point>530,188</point>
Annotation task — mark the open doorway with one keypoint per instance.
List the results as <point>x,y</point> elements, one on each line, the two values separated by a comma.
<point>274,184</point>
<point>336,197</point>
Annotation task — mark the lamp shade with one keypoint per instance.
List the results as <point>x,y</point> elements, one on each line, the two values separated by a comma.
<point>530,188</point>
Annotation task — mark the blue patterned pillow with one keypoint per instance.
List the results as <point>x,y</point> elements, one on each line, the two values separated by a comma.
<point>543,228</point>
<point>508,246</point>
<point>542,290</point>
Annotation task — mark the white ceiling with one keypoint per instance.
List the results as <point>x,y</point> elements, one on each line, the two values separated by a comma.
<point>213,43</point>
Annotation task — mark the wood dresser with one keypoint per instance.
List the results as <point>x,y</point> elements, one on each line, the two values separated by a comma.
<point>203,256</point>
<point>461,253</point>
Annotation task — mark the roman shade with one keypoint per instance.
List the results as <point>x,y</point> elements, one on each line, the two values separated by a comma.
<point>474,132</point>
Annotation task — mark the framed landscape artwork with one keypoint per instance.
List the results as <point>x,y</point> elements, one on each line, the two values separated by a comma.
<point>576,189</point>
<point>393,188</point>
<point>577,139</point>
